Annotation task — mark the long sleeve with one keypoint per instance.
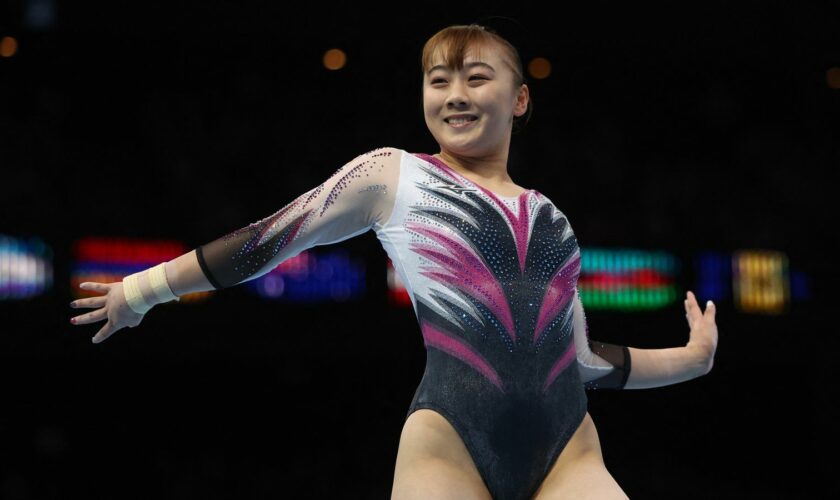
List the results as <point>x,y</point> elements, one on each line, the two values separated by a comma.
<point>602,366</point>
<point>358,195</point>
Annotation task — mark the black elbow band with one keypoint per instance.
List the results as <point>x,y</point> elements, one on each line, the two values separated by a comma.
<point>205,269</point>
<point>619,357</point>
<point>625,368</point>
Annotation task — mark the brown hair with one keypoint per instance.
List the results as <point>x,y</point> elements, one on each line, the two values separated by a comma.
<point>453,42</point>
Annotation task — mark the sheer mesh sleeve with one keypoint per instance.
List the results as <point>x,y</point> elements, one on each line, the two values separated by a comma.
<point>602,366</point>
<point>358,195</point>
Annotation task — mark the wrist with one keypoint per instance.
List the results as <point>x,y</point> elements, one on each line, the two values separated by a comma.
<point>699,358</point>
<point>147,288</point>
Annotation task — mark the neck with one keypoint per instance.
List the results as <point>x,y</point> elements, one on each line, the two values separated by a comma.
<point>492,167</point>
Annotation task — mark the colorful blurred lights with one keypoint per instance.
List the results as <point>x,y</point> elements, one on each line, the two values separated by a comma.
<point>627,279</point>
<point>26,268</point>
<point>761,281</point>
<point>313,277</point>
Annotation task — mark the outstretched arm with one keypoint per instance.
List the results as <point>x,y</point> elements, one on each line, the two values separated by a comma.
<point>608,366</point>
<point>357,196</point>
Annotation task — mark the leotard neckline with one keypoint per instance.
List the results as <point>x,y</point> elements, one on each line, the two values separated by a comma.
<point>438,163</point>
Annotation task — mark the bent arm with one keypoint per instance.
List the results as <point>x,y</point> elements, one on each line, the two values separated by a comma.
<point>661,367</point>
<point>607,366</point>
<point>658,367</point>
<point>601,365</point>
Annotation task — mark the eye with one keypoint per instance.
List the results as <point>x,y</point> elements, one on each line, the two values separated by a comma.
<point>440,80</point>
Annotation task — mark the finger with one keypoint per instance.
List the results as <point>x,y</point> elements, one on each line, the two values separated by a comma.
<point>710,310</point>
<point>692,299</point>
<point>94,286</point>
<point>97,315</point>
<point>693,308</point>
<point>689,321</point>
<point>97,301</point>
<point>103,333</point>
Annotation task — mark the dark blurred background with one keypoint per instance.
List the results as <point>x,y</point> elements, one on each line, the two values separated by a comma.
<point>702,126</point>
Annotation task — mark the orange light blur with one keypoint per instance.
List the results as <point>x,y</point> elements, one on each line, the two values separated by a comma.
<point>761,281</point>
<point>8,46</point>
<point>832,77</point>
<point>334,59</point>
<point>539,68</point>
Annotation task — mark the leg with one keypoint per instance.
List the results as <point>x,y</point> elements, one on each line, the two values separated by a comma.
<point>579,471</point>
<point>432,462</point>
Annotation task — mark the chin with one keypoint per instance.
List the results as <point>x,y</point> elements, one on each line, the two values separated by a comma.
<point>461,150</point>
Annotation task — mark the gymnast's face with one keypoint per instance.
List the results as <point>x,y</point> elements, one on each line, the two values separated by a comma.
<point>485,90</point>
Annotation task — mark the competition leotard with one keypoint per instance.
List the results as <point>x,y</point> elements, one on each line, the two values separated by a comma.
<point>493,283</point>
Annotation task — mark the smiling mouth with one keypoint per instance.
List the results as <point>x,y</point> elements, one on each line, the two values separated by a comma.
<point>460,122</point>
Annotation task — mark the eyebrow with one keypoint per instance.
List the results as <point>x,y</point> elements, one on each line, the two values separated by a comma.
<point>468,65</point>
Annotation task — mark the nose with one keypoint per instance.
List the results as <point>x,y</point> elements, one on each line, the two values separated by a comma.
<point>457,94</point>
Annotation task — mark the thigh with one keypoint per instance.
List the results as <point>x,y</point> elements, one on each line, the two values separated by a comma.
<point>433,462</point>
<point>586,479</point>
<point>579,471</point>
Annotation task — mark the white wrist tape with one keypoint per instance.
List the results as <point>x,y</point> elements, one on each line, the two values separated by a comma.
<point>156,277</point>
<point>133,296</point>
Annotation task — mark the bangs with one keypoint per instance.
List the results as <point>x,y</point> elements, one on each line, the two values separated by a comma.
<point>452,44</point>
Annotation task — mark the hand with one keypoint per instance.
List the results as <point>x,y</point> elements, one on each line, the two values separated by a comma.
<point>703,337</point>
<point>113,307</point>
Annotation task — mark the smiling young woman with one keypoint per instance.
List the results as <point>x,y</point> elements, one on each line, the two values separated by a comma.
<point>491,269</point>
<point>473,93</point>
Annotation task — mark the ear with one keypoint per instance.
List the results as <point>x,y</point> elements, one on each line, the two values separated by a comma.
<point>522,98</point>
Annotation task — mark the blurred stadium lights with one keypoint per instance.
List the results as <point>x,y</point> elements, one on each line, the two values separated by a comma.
<point>26,267</point>
<point>397,292</point>
<point>107,260</point>
<point>631,280</point>
<point>627,279</point>
<point>761,281</point>
<point>313,276</point>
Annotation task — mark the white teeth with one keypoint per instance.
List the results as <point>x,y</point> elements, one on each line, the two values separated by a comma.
<point>459,121</point>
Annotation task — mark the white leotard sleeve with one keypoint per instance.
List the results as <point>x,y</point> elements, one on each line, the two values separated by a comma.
<point>357,196</point>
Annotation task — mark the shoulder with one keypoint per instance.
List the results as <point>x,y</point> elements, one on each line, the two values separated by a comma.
<point>555,210</point>
<point>377,161</point>
<point>371,165</point>
<point>387,158</point>
<point>546,200</point>
<point>383,154</point>
<point>379,170</point>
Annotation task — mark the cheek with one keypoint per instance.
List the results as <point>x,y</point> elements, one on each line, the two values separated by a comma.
<point>428,111</point>
<point>429,100</point>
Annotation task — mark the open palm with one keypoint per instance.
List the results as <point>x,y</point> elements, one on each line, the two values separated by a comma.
<point>112,307</point>
<point>703,334</point>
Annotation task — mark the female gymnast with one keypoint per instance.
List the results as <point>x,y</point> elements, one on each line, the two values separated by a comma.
<point>491,269</point>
